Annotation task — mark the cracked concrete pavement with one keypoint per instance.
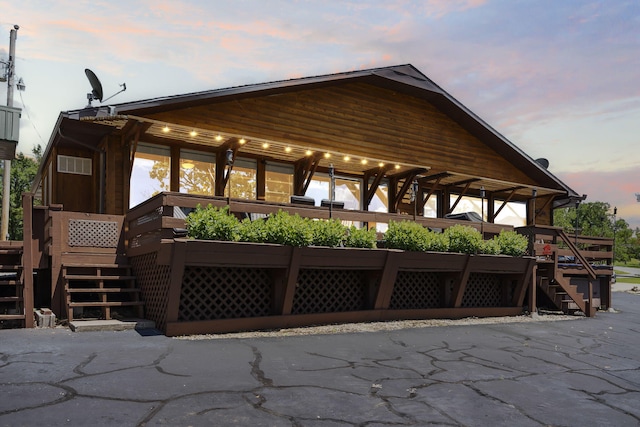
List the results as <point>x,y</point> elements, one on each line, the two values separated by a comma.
<point>565,373</point>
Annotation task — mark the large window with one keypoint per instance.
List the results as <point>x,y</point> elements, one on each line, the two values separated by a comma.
<point>514,213</point>
<point>197,172</point>
<point>278,182</point>
<point>242,181</point>
<point>150,174</point>
<point>347,190</point>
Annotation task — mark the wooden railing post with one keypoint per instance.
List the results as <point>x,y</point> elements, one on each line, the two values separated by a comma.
<point>27,259</point>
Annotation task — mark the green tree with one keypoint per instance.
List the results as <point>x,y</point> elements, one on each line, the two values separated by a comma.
<point>23,171</point>
<point>594,219</point>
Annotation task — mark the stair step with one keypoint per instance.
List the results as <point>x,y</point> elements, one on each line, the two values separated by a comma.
<point>11,316</point>
<point>93,265</point>
<point>10,299</point>
<point>96,277</point>
<point>102,290</point>
<point>105,304</point>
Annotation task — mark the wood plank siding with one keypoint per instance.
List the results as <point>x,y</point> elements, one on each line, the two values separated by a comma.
<point>360,119</point>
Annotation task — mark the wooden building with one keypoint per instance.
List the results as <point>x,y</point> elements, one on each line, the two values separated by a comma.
<point>396,144</point>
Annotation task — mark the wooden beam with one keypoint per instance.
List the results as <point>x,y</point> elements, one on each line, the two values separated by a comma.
<point>504,203</point>
<point>304,169</point>
<point>432,189</point>
<point>370,190</point>
<point>462,193</point>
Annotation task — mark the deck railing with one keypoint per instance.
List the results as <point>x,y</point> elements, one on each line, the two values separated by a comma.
<point>159,217</point>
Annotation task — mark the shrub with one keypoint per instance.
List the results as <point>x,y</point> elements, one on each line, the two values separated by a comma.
<point>361,238</point>
<point>328,232</point>
<point>285,229</point>
<point>512,243</point>
<point>411,236</point>
<point>212,223</point>
<point>463,238</point>
<point>490,247</point>
<point>253,231</point>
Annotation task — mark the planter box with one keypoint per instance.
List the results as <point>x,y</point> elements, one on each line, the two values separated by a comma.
<point>195,285</point>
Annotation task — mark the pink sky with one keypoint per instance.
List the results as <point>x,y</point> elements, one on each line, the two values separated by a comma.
<point>558,79</point>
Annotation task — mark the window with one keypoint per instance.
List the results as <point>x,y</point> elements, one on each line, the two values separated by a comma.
<point>74,165</point>
<point>197,172</point>
<point>242,181</point>
<point>278,182</point>
<point>514,213</point>
<point>348,190</point>
<point>150,174</point>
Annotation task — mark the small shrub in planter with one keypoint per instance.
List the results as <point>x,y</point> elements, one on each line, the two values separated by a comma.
<point>410,236</point>
<point>285,229</point>
<point>512,243</point>
<point>463,239</point>
<point>253,231</point>
<point>361,238</point>
<point>490,247</point>
<point>212,223</point>
<point>327,232</point>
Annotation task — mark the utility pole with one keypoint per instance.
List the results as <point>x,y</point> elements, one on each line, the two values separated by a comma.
<point>6,177</point>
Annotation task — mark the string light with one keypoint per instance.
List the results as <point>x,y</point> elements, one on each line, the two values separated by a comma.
<point>287,149</point>
<point>193,134</point>
<point>346,158</point>
<point>265,145</point>
<point>242,141</point>
<point>218,138</point>
<point>308,152</point>
<point>166,129</point>
<point>327,155</point>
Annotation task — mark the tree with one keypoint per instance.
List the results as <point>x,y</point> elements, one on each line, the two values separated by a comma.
<point>23,171</point>
<point>594,219</point>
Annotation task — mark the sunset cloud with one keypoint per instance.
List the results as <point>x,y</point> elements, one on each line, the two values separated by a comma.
<point>558,79</point>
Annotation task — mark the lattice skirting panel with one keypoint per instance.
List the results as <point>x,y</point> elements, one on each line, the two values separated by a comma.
<point>329,291</point>
<point>417,290</point>
<point>153,281</point>
<point>210,293</point>
<point>99,234</point>
<point>483,290</point>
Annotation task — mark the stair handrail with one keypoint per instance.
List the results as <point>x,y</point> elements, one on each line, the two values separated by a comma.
<point>576,252</point>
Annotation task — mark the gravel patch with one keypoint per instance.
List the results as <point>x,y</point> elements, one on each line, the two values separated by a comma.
<point>348,328</point>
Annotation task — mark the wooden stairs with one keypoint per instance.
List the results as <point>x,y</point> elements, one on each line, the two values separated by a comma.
<point>12,310</point>
<point>100,291</point>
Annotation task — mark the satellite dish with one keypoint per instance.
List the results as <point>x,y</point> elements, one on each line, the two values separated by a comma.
<point>543,162</point>
<point>96,86</point>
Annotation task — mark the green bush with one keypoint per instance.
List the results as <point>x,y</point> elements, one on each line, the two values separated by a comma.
<point>463,239</point>
<point>212,223</point>
<point>329,232</point>
<point>490,247</point>
<point>361,238</point>
<point>285,229</point>
<point>253,231</point>
<point>411,236</point>
<point>512,243</point>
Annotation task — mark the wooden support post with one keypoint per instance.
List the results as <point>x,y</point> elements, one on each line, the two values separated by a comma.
<point>175,282</point>
<point>461,285</point>
<point>387,281</point>
<point>291,280</point>
<point>27,259</point>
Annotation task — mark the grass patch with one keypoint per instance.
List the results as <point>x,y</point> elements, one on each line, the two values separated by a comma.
<point>633,280</point>
<point>634,263</point>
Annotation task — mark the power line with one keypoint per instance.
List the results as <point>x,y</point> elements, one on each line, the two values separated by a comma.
<point>29,117</point>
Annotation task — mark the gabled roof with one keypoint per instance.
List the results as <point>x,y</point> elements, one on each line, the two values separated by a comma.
<point>401,78</point>
<point>404,79</point>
